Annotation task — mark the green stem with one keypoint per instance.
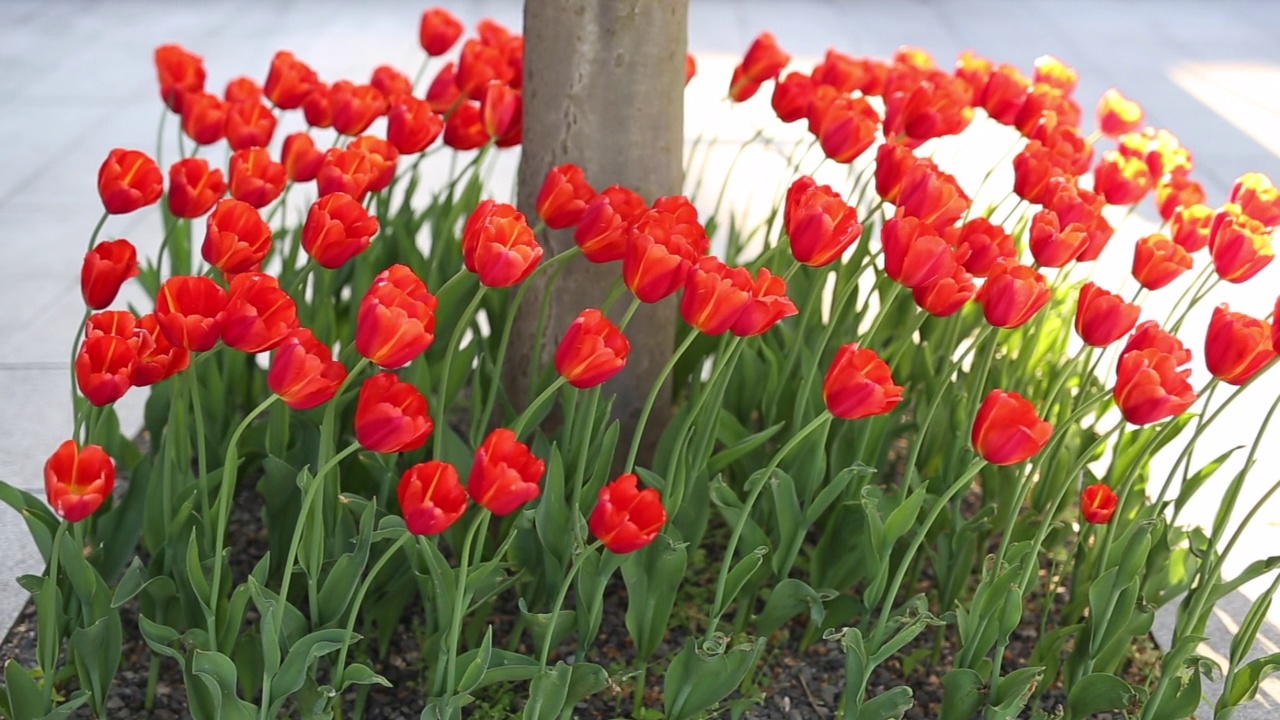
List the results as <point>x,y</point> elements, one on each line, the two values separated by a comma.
<point>193,389</point>
<point>459,605</point>
<point>50,659</point>
<point>837,307</point>
<point>359,599</point>
<point>442,399</point>
<point>653,398</point>
<point>560,596</point>
<point>75,385</point>
<point>518,426</point>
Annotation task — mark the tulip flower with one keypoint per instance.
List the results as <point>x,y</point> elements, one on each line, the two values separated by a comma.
<point>1053,244</point>
<point>242,89</point>
<point>499,246</point>
<point>1046,102</point>
<point>194,187</point>
<point>1190,227</point>
<point>439,30</point>
<point>859,384</point>
<point>179,72</point>
<point>103,367</point>
<point>304,372</point>
<point>1065,148</point>
<point>1121,180</point>
<point>78,479</point>
<point>256,179</point>
<point>945,297</point>
<point>392,83</point>
<point>1237,346</point>
<point>502,114</point>
<point>259,313</point>
<point>839,71</point>
<point>935,106</point>
<point>158,358</point>
<point>768,305</point>
<point>820,225</point>
<point>464,129</point>
<point>1118,114</point>
<point>289,81</point>
<point>391,415</point>
<point>975,70</point>
<point>106,267</point>
<point>894,163</point>
<point>1034,169</point>
<point>345,170</point>
<point>1004,94</point>
<point>478,65</point>
<point>1257,197</point>
<point>431,497</point>
<point>914,254</point>
<point>505,474</point>
<point>847,128</point>
<point>602,231</point>
<point>249,125</point>
<point>791,97</point>
<point>690,68</point>
<point>714,295</point>
<point>1176,191</point>
<point>1103,317</point>
<point>190,310</point>
<point>981,243</point>
<point>1149,335</point>
<point>1074,204</point>
<point>764,59</point>
<point>1098,503</point>
<point>337,229</point>
<point>412,125</point>
<point>1149,387</point>
<point>236,239</point>
<point>1007,429</point>
<point>300,157</point>
<point>1012,294</point>
<point>443,94</point>
<point>592,351</point>
<point>626,518</point>
<point>1052,71</point>
<point>932,196</point>
<point>396,321</point>
<point>129,180</point>
<point>317,107</point>
<point>204,117</point>
<point>1240,246</point>
<point>1158,261</point>
<point>121,323</point>
<point>661,248</point>
<point>564,195</point>
<point>355,107</point>
<point>383,157</point>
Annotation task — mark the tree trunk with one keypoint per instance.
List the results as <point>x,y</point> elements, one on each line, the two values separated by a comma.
<point>603,88</point>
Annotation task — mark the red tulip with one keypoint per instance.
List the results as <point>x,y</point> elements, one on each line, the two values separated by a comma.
<point>505,474</point>
<point>499,246</point>
<point>383,157</point>
<point>397,318</point>
<point>1007,429</point>
<point>303,372</point>
<point>300,157</point>
<point>1053,245</point>
<point>1257,198</point>
<point>981,243</point>
<point>1005,94</point>
<point>158,358</point>
<point>975,70</point>
<point>768,305</point>
<point>431,497</point>
<point>249,125</point>
<point>715,295</point>
<point>78,480</point>
<point>345,170</point>
<point>564,195</point>
<point>914,254</point>
<point>1240,246</point>
<point>1052,71</point>
<point>1098,503</point>
<point>103,367</point>
<point>355,107</point>
<point>392,83</point>
<point>661,248</point>
<point>934,106</point>
<point>443,94</point>
<point>194,187</point>
<point>129,180</point>
<point>1190,227</point>
<point>1045,102</point>
<point>847,128</point>
<point>1237,346</point>
<point>933,197</point>
<point>1118,114</point>
<point>945,297</point>
<point>894,163</point>
<point>502,114</point>
<point>626,518</point>
<point>1149,387</point>
<point>391,415</point>
<point>1074,204</point>
<point>1149,335</point>
<point>121,323</point>
<point>179,72</point>
<point>839,71</point>
<point>602,231</point>
<point>859,384</point>
<point>1121,180</point>
<point>464,128</point>
<point>242,89</point>
<point>1103,317</point>
<point>820,225</point>
<point>236,239</point>
<point>106,266</point>
<point>256,179</point>
<point>1176,191</point>
<point>259,313</point>
<point>741,87</point>
<point>190,310</point>
<point>1158,261</point>
<point>337,229</point>
<point>479,64</point>
<point>204,117</point>
<point>791,97</point>
<point>439,30</point>
<point>592,351</point>
<point>412,125</point>
<point>317,107</point>
<point>1012,294</point>
<point>289,81</point>
<point>764,59</point>
<point>690,67</point>
<point>1034,170</point>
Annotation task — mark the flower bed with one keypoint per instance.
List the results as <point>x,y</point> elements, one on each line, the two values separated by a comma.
<point>905,426</point>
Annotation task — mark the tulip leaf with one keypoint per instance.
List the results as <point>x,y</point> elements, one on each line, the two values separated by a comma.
<point>217,675</point>
<point>552,517</point>
<point>73,703</point>
<point>593,576</point>
<point>963,692</point>
<point>344,577</point>
<point>1010,695</point>
<point>559,625</point>
<point>478,665</point>
<point>738,576</point>
<point>503,666</point>
<point>40,520</point>
<point>293,671</point>
<point>889,705</point>
<point>97,657</point>
<point>548,693</point>
<point>699,676</point>
<point>1097,692</point>
<point>652,576</point>
<point>833,489</point>
<point>740,448</point>
<point>361,674</point>
<point>789,598</point>
<point>25,697</point>
<point>786,508</point>
<point>1197,480</point>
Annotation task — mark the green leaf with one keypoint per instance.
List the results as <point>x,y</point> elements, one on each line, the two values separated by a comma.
<point>478,665</point>
<point>833,490</point>
<point>1097,692</point>
<point>890,705</point>
<point>293,671</point>
<point>652,575</point>
<point>548,693</point>
<point>160,638</point>
<point>1011,694</point>
<point>503,666</point>
<point>699,677</point>
<point>218,674</point>
<point>73,703</point>
<point>789,598</point>
<point>25,697</point>
<point>1243,684</point>
<point>361,674</point>
<point>1201,476</point>
<point>963,692</point>
<point>552,517</point>
<point>40,520</point>
<point>740,448</point>
<point>791,531</point>
<point>344,577</point>
<point>540,624</point>
<point>738,576</point>
<point>96,651</point>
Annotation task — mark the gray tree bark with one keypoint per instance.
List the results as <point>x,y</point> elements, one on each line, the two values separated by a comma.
<point>603,88</point>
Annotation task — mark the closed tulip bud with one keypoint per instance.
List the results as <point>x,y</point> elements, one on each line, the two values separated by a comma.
<point>383,157</point>
<point>464,128</point>
<point>894,163</point>
<point>300,157</point>
<point>505,474</point>
<point>106,267</point>
<point>1103,317</point>
<point>289,81</point>
<point>1033,170</point>
<point>1176,191</point>
<point>1237,346</point>
<point>1043,102</point>
<point>564,195</point>
<point>839,71</point>
<point>847,128</point>
<point>1053,245</point>
<point>933,197</point>
<point>337,229</point>
<point>345,170</point>
<point>714,295</point>
<point>432,497</point>
<point>249,124</point>
<point>1098,503</point>
<point>412,125</point>
<point>945,297</point>
<point>303,371</point>
<point>396,321</point>
<point>764,59</point>
<point>242,89</point>
<point>259,313</point>
<point>626,518</point>
<point>158,358</point>
<point>1240,246</point>
<point>103,367</point>
<point>981,243</point>
<point>1121,180</point>
<point>478,65</point>
<point>936,106</point>
<point>392,83</point>
<point>190,310</point>
<point>660,251</point>
<point>1007,429</point>
<point>78,479</point>
<point>1150,388</point>
<point>791,97</point>
<point>1190,227</point>
<point>355,107</point>
<point>768,305</point>
<point>1158,261</point>
<point>502,114</point>
<point>1150,336</point>
<point>914,254</point>
<point>391,415</point>
<point>256,179</point>
<point>1257,197</point>
<point>1012,294</point>
<point>179,72</point>
<point>1052,71</point>
<point>439,30</point>
<point>236,239</point>
<point>1066,148</point>
<point>975,70</point>
<point>741,87</point>
<point>1004,94</point>
<point>129,180</point>
<point>602,230</point>
<point>443,94</point>
<point>1118,114</point>
<point>499,246</point>
<point>592,351</point>
<point>317,107</point>
<point>194,187</point>
<point>204,117</point>
<point>820,225</point>
<point>121,323</point>
<point>859,384</point>
<point>690,68</point>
